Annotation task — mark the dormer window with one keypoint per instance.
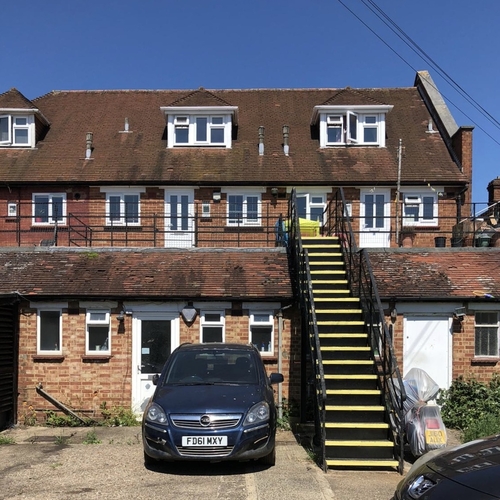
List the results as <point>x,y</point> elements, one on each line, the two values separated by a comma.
<point>16,130</point>
<point>199,126</point>
<point>353,126</point>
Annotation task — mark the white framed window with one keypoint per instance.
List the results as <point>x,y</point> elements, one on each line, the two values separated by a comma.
<point>97,338</point>
<point>201,130</point>
<point>244,209</point>
<point>49,331</point>
<point>261,331</point>
<point>420,209</point>
<point>202,126</point>
<point>17,130</point>
<point>311,206</point>
<point>486,329</point>
<point>123,209</point>
<point>49,208</point>
<point>351,125</point>
<point>212,326</point>
<point>11,209</point>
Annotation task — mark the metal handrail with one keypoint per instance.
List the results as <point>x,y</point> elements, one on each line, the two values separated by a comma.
<point>363,285</point>
<point>304,293</point>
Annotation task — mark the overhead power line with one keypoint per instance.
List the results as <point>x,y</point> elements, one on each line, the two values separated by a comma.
<point>426,58</point>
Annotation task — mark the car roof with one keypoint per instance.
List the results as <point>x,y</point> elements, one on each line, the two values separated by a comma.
<point>225,346</point>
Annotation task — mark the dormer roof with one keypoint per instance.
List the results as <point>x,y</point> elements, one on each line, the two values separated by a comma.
<point>15,102</point>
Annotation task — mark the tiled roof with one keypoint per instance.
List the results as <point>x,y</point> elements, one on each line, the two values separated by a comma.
<point>13,99</point>
<point>141,156</point>
<point>441,273</point>
<point>251,274</point>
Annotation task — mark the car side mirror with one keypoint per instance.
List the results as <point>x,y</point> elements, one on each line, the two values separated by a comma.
<point>276,378</point>
<point>156,377</point>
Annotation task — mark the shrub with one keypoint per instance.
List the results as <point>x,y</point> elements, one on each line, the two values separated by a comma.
<point>487,425</point>
<point>57,420</point>
<point>117,416</point>
<point>468,402</point>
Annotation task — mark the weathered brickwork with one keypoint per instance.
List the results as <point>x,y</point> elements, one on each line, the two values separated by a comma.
<point>85,382</point>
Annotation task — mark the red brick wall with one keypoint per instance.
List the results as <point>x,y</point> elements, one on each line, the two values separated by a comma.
<point>84,385</point>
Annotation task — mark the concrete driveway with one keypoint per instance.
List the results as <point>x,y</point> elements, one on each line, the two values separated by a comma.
<point>48,463</point>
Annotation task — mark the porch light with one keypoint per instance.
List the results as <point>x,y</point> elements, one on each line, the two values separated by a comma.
<point>121,317</point>
<point>216,196</point>
<point>189,313</point>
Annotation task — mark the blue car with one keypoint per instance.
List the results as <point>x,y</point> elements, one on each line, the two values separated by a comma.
<point>212,402</point>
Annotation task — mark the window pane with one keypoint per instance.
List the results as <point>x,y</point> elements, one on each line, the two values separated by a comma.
<point>370,119</point>
<point>114,208</point>
<point>41,209</point>
<point>302,207</point>
<point>4,129</point>
<point>181,135</point>
<point>370,134</point>
<point>317,214</point>
<point>217,120</point>
<point>353,127</point>
<point>57,208</point>
<point>213,317</point>
<point>212,334</point>
<point>486,318</point>
<point>217,136</point>
<point>261,318</point>
<point>235,208</point>
<point>379,210</point>
<point>155,345</point>
<point>98,338</point>
<point>21,136</point>
<point>334,133</point>
<point>411,213</point>
<point>21,120</point>
<point>252,208</point>
<point>201,129</point>
<point>97,316</point>
<point>49,331</point>
<point>184,212</point>
<point>261,337</point>
<point>131,208</point>
<point>428,206</point>
<point>486,341</point>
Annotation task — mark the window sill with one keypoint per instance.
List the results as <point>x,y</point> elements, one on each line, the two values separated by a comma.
<point>93,358</point>
<point>96,358</point>
<point>48,358</point>
<point>269,359</point>
<point>484,361</point>
<point>122,229</point>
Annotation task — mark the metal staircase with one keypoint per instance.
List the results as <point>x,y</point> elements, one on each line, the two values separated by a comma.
<point>356,428</point>
<point>348,357</point>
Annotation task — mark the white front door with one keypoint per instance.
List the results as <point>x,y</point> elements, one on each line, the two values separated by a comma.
<point>374,220</point>
<point>179,218</point>
<point>154,336</point>
<point>427,345</point>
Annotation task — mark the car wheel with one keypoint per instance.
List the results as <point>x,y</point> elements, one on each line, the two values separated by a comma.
<point>149,461</point>
<point>269,459</point>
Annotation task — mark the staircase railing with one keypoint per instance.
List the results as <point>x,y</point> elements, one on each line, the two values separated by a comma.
<point>301,278</point>
<point>362,284</point>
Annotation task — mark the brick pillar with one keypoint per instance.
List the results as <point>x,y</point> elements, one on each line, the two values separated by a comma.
<point>462,145</point>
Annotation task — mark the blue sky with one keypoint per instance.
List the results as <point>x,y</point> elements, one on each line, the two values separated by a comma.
<point>186,44</point>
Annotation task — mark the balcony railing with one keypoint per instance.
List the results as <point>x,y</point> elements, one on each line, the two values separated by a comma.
<point>149,230</point>
<point>268,229</point>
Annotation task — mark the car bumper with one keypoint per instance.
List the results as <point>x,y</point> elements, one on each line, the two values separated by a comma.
<point>164,443</point>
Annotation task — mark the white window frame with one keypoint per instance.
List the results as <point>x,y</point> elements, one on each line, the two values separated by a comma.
<point>58,346</point>
<point>493,326</point>
<point>91,321</point>
<point>12,126</point>
<point>50,215</point>
<point>256,319</point>
<point>245,217</point>
<point>122,194</point>
<point>353,122</point>
<point>312,197</point>
<point>416,200</point>
<point>221,323</point>
<point>187,117</point>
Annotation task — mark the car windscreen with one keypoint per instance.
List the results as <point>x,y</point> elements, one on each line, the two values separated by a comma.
<point>212,367</point>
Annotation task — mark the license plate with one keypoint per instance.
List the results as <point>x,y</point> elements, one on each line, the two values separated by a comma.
<point>435,437</point>
<point>204,441</point>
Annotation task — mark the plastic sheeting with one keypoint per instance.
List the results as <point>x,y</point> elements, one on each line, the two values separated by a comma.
<point>424,426</point>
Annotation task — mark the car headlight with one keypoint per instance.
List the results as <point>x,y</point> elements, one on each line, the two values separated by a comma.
<point>156,414</point>
<point>420,486</point>
<point>258,413</point>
